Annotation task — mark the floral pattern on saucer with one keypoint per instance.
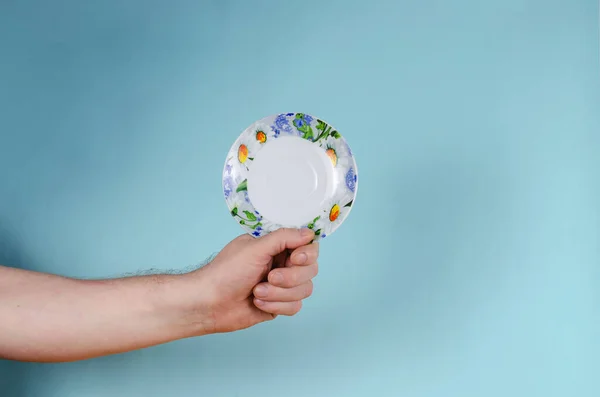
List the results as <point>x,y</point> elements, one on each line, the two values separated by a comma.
<point>242,153</point>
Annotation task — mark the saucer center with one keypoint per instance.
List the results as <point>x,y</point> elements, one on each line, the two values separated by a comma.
<point>289,180</point>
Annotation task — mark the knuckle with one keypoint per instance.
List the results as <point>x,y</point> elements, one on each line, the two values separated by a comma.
<point>311,257</point>
<point>291,308</point>
<point>297,307</point>
<point>270,292</point>
<point>276,278</point>
<point>308,290</point>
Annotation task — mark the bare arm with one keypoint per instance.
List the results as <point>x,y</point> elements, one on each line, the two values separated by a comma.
<point>49,318</point>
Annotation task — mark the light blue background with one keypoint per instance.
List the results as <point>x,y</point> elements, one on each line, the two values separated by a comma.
<point>470,263</point>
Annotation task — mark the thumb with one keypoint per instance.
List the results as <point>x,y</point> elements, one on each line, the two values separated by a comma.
<point>278,241</point>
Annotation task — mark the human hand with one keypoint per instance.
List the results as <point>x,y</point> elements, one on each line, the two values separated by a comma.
<point>48,318</point>
<point>254,280</point>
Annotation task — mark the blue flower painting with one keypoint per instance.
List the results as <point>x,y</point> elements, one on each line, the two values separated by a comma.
<point>351,179</point>
<point>282,124</point>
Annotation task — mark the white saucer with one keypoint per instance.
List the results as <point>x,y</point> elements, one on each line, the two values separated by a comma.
<point>290,170</point>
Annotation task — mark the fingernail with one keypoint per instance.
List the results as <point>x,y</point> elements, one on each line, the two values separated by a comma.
<point>260,291</point>
<point>306,232</point>
<point>301,258</point>
<point>259,302</point>
<point>277,278</point>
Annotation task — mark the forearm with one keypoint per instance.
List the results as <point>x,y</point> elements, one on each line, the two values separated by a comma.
<point>48,318</point>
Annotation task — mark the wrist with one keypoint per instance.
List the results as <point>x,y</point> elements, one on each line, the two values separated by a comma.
<point>185,300</point>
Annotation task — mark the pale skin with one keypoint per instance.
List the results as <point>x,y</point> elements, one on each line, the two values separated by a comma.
<point>48,318</point>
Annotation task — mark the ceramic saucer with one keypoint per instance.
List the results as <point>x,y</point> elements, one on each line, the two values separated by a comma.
<point>290,170</point>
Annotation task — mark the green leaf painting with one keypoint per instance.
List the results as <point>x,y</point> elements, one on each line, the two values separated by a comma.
<point>242,186</point>
<point>250,216</point>
<point>321,125</point>
<point>253,227</point>
<point>311,225</point>
<point>308,132</point>
<point>247,219</point>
